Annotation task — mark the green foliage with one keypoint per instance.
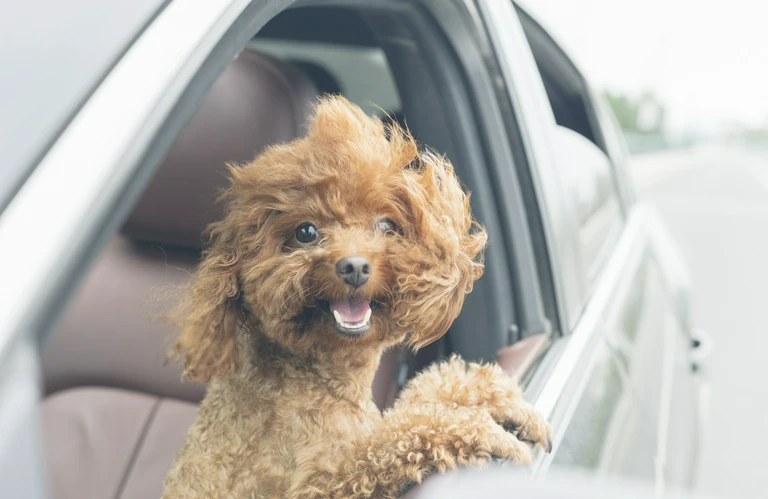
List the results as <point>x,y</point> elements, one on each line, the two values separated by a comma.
<point>643,115</point>
<point>624,109</point>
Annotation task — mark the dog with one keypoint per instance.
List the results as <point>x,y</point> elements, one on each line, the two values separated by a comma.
<point>333,248</point>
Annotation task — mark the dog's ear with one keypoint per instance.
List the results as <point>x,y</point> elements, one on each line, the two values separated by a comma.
<point>209,313</point>
<point>448,257</point>
<point>440,307</point>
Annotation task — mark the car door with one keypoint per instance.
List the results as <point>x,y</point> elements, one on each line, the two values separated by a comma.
<point>617,382</point>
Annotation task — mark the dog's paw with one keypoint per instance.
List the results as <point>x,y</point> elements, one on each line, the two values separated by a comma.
<point>520,418</point>
<point>494,442</point>
<point>511,449</point>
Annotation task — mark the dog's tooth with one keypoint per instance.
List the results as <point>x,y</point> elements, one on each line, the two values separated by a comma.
<point>337,316</point>
<point>367,316</point>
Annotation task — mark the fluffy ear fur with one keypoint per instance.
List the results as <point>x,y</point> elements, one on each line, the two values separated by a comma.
<point>448,259</point>
<point>209,313</point>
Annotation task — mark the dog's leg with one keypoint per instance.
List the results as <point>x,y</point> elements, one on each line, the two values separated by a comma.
<point>408,444</point>
<point>483,386</point>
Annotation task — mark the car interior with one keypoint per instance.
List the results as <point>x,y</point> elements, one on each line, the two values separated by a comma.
<point>114,411</point>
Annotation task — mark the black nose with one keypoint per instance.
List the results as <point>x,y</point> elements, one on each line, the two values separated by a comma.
<point>355,270</point>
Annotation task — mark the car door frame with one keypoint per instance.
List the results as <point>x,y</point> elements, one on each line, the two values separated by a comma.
<point>556,386</point>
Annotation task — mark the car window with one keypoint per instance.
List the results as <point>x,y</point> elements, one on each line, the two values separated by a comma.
<point>360,73</point>
<point>581,153</point>
<point>361,69</point>
<point>387,70</point>
<point>566,88</point>
<point>587,176</point>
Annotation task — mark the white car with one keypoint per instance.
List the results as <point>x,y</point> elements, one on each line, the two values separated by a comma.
<point>117,121</point>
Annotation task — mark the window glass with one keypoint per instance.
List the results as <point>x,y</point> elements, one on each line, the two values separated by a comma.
<point>586,171</point>
<point>581,152</point>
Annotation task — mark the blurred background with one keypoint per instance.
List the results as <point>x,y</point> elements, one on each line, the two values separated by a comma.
<point>688,81</point>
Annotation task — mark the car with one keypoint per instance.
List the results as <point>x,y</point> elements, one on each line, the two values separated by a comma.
<point>118,121</point>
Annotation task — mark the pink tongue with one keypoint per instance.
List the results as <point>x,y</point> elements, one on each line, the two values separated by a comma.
<point>350,310</point>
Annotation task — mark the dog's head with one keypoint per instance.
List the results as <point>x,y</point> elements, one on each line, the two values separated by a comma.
<point>348,237</point>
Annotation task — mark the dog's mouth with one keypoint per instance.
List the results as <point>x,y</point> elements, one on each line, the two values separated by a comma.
<point>351,316</point>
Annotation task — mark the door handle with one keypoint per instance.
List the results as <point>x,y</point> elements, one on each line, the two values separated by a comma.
<point>701,349</point>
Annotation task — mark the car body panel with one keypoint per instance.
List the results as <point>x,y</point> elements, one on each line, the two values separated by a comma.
<point>55,70</point>
<point>651,346</point>
<point>607,431</point>
<point>630,347</point>
<point>22,473</point>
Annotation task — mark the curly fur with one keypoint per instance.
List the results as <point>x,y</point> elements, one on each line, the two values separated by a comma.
<point>289,411</point>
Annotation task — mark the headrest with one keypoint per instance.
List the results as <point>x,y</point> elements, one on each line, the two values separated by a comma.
<point>258,101</point>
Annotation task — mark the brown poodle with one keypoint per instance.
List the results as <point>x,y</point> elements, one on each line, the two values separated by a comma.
<point>335,247</point>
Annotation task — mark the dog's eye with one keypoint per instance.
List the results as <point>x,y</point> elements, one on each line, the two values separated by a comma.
<point>386,226</point>
<point>306,233</point>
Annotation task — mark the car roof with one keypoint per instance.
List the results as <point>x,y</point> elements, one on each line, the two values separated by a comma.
<point>53,55</point>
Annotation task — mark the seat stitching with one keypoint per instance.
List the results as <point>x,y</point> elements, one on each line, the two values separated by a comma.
<point>137,449</point>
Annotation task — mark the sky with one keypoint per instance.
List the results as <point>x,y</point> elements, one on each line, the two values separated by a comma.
<point>706,59</point>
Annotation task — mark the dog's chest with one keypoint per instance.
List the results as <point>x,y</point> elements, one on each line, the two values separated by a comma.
<point>300,440</point>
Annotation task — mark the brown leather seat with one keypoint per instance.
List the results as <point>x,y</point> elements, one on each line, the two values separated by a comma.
<point>114,414</point>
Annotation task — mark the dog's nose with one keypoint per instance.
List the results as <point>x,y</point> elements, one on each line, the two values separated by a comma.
<point>355,270</point>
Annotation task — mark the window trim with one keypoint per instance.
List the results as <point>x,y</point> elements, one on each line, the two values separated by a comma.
<point>553,54</point>
<point>537,121</point>
<point>608,135</point>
